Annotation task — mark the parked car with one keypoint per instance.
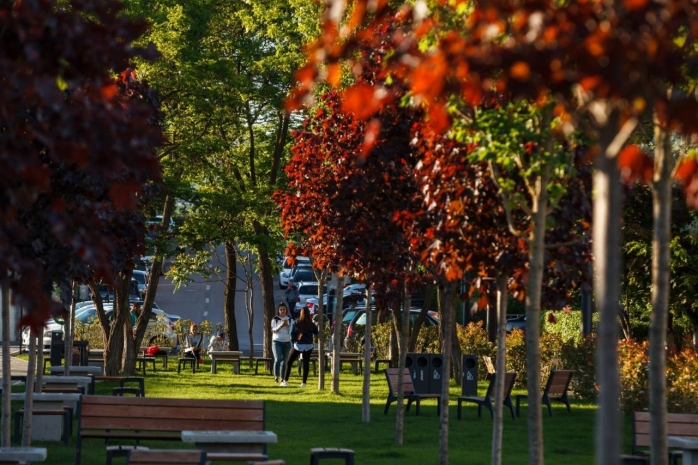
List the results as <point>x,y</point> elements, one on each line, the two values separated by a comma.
<point>141,278</point>
<point>359,320</point>
<point>287,269</point>
<point>303,275</point>
<point>517,322</point>
<point>86,314</point>
<point>306,290</point>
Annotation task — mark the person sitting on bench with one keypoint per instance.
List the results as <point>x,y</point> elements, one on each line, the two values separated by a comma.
<point>193,342</point>
<point>218,342</point>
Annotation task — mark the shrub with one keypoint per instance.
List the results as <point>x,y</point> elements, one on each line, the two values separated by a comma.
<point>380,335</point>
<point>580,358</point>
<point>568,324</point>
<point>428,340</point>
<point>516,355</point>
<point>633,361</point>
<point>682,381</point>
<point>473,341</point>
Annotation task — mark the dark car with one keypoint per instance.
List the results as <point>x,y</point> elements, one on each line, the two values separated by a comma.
<point>517,322</point>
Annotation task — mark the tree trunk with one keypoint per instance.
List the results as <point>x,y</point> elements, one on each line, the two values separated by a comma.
<point>70,330</point>
<point>6,367</point>
<point>428,290</point>
<point>122,313</point>
<point>231,326</point>
<point>321,334</point>
<point>448,319</point>
<point>607,253</point>
<point>402,329</point>
<point>661,255</point>
<point>368,344</point>
<point>498,426</point>
<point>337,336</point>
<point>265,273</point>
<point>536,243</point>
<point>29,390</point>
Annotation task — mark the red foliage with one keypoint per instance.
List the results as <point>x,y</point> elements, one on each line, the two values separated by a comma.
<point>76,144</point>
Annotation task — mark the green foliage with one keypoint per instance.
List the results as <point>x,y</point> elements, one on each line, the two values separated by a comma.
<point>428,340</point>
<point>90,332</point>
<point>580,358</point>
<point>568,324</point>
<point>380,335</point>
<point>473,341</point>
<point>516,355</point>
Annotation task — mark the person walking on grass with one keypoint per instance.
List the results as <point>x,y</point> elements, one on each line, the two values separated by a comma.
<point>292,296</point>
<point>280,340</point>
<point>302,332</point>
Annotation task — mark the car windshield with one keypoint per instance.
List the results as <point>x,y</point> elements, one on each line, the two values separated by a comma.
<point>303,274</point>
<point>361,320</point>
<point>140,277</point>
<point>348,316</point>
<point>308,289</point>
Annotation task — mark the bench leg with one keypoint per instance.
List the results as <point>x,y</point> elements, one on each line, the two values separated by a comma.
<point>214,366</point>
<point>236,368</point>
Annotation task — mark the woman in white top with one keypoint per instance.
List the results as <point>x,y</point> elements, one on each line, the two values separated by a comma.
<point>280,340</point>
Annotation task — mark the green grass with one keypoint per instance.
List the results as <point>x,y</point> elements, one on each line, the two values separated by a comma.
<point>304,418</point>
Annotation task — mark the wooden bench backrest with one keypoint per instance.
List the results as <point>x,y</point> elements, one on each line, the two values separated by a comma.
<point>509,378</point>
<point>678,424</point>
<point>166,457</point>
<point>558,382</point>
<point>392,374</point>
<point>489,365</point>
<point>160,414</point>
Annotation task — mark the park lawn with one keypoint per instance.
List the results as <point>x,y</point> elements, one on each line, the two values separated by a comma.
<point>304,418</point>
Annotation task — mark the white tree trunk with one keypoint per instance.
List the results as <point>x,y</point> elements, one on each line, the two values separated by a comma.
<point>448,317</point>
<point>29,389</point>
<point>661,255</point>
<point>337,336</point>
<point>321,332</point>
<point>607,256</point>
<point>6,367</point>
<point>366,401</point>
<point>402,328</point>
<point>498,426</point>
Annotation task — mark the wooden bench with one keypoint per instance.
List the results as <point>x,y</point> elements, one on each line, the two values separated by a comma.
<point>162,356</point>
<point>266,360</point>
<point>150,418</point>
<point>489,366</point>
<point>486,401</point>
<point>225,356</point>
<point>411,395</point>
<point>166,457</point>
<point>678,424</point>
<point>555,389</point>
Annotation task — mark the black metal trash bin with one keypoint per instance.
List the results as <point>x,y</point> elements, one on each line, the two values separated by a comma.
<point>436,373</point>
<point>57,348</point>
<point>469,381</point>
<point>420,378</point>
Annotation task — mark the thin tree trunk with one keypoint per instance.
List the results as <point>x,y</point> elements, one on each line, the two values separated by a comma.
<point>231,326</point>
<point>661,255</point>
<point>402,328</point>
<point>426,307</point>
<point>250,313</point>
<point>337,336</point>
<point>321,332</point>
<point>29,390</point>
<point>69,330</point>
<point>607,253</point>
<point>265,274</point>
<point>122,313</point>
<point>6,367</point>
<point>534,285</point>
<point>448,323</point>
<point>498,426</point>
<point>39,369</point>
<point>368,344</point>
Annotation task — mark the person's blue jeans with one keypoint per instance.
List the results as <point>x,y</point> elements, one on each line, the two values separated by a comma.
<point>280,351</point>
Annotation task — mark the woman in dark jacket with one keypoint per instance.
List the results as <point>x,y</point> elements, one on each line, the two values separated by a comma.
<point>302,332</point>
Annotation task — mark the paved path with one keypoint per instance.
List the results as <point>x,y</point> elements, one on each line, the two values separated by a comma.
<point>17,365</point>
